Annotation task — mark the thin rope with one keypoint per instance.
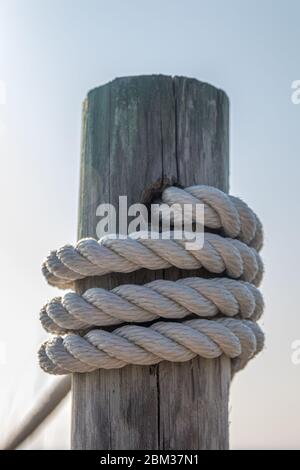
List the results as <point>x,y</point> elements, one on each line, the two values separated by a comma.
<point>41,408</point>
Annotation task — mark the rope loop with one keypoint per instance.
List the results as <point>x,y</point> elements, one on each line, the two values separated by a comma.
<point>194,316</point>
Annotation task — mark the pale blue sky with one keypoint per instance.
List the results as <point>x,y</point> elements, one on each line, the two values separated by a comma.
<point>51,54</point>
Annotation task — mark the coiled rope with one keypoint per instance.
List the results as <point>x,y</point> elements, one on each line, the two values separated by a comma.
<point>228,307</point>
<point>157,299</point>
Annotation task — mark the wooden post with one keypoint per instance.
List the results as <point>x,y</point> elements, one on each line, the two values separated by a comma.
<point>139,134</point>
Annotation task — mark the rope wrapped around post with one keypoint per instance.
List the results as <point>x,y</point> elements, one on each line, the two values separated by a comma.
<point>219,314</point>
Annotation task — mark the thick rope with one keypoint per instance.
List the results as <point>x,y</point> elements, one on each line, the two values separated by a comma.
<point>92,258</point>
<point>131,344</point>
<point>221,211</point>
<point>158,299</point>
<point>235,298</point>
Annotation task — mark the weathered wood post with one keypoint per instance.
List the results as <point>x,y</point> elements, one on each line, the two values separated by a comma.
<point>140,133</point>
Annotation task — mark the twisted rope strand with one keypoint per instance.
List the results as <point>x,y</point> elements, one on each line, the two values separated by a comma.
<point>92,258</point>
<point>221,211</point>
<point>239,340</point>
<point>165,299</point>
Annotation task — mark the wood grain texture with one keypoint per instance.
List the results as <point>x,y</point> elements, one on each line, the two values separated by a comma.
<point>139,134</point>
